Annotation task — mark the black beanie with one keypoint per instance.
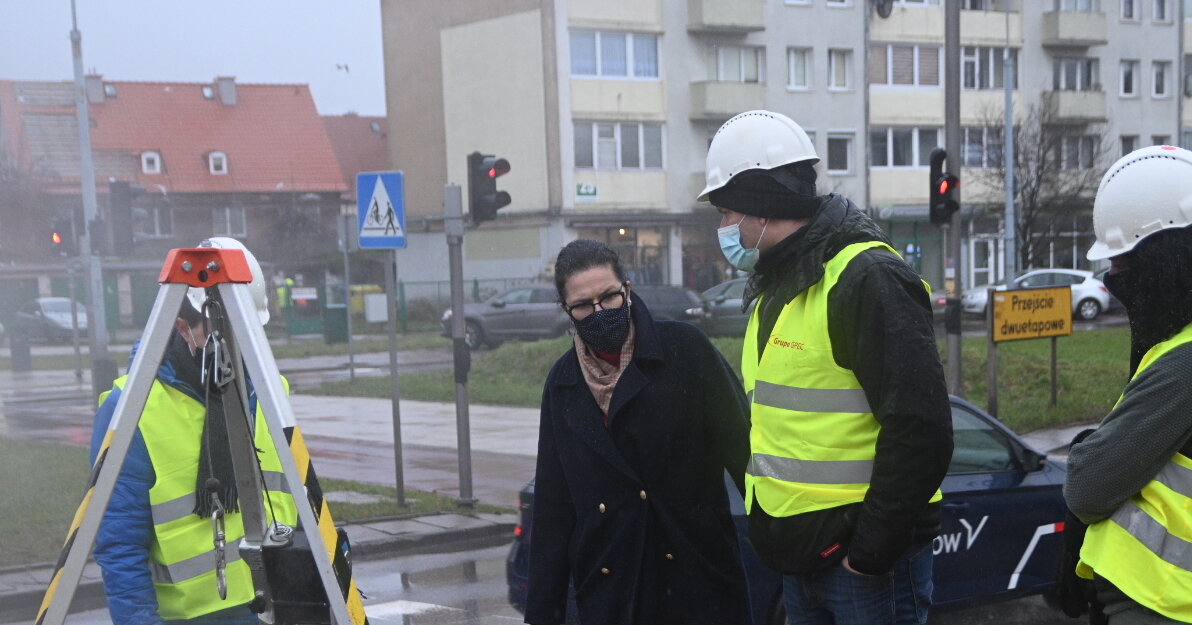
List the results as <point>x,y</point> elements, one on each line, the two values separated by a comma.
<point>786,192</point>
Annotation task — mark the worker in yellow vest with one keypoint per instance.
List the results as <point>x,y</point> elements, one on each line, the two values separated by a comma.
<point>1131,478</point>
<point>851,425</point>
<point>155,545</point>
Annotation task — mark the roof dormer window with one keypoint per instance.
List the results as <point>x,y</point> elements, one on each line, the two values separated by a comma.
<point>151,162</point>
<point>109,90</point>
<point>208,92</point>
<point>217,162</point>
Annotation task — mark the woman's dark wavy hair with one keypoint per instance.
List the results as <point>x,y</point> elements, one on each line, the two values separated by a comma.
<point>1160,270</point>
<point>580,255</point>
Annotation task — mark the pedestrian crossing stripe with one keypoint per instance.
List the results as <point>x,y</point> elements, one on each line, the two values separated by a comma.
<point>381,220</point>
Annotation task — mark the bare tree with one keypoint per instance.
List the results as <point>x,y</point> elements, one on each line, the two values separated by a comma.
<point>1057,167</point>
<point>26,215</point>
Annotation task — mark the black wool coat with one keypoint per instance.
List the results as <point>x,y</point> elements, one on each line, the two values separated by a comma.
<point>636,513</point>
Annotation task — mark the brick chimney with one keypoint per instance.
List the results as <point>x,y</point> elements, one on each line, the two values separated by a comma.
<point>225,87</point>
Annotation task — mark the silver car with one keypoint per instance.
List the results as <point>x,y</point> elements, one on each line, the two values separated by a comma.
<point>1089,296</point>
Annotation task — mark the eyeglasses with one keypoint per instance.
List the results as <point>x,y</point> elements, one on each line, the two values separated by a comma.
<point>615,299</point>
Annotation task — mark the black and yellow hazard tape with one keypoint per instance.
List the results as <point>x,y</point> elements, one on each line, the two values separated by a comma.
<point>80,513</point>
<point>332,539</point>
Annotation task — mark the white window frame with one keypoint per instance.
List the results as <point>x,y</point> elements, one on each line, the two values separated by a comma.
<point>985,57</point>
<point>1078,6</point>
<point>918,161</point>
<point>222,218</point>
<point>1134,15</point>
<point>1132,140</point>
<point>158,222</point>
<point>989,141</point>
<point>1160,139</point>
<point>847,137</point>
<point>1164,7</point>
<point>724,55</point>
<point>833,61</point>
<point>630,64</point>
<point>1160,78</point>
<point>151,162</point>
<point>618,128</point>
<point>1086,156</point>
<point>798,2</point>
<point>1060,78</point>
<point>217,163</point>
<point>1132,92</point>
<point>916,80</point>
<point>808,68</point>
<point>838,4</point>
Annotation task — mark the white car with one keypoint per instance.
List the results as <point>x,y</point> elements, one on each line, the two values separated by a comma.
<point>1089,295</point>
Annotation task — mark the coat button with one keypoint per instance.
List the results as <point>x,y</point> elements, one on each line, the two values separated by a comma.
<point>605,571</point>
<point>602,508</point>
<point>670,556</point>
<point>642,494</point>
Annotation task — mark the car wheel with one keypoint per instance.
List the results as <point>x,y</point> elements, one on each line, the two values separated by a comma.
<point>1088,309</point>
<point>473,335</point>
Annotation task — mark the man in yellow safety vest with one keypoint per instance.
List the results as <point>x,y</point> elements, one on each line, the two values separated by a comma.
<point>1131,478</point>
<point>851,425</point>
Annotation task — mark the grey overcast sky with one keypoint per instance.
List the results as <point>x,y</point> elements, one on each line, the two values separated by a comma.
<point>257,41</point>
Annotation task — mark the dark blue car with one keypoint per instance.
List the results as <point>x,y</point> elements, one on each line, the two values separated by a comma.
<point>1000,536</point>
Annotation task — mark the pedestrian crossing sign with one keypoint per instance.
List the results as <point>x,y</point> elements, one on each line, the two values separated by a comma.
<point>381,209</point>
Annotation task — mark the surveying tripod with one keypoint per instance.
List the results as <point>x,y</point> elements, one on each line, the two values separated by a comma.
<point>236,342</point>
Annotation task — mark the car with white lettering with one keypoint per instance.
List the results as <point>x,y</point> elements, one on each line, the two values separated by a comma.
<point>1002,519</point>
<point>1089,296</point>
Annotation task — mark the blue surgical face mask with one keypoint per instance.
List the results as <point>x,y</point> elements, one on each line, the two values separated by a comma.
<point>737,254</point>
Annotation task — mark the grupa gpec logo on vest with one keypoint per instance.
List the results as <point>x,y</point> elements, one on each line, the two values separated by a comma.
<point>778,341</point>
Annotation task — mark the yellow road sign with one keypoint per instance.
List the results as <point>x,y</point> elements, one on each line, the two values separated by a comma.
<point>1031,313</point>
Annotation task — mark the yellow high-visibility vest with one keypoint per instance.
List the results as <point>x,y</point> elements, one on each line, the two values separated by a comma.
<point>1145,547</point>
<point>814,436</point>
<point>182,556</point>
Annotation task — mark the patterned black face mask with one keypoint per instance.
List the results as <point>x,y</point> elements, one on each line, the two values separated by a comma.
<point>605,330</point>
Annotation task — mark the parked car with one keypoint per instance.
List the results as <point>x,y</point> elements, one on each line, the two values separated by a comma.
<point>49,319</point>
<point>532,312</point>
<point>1000,536</point>
<point>723,302</point>
<point>1115,305</point>
<point>1089,296</point>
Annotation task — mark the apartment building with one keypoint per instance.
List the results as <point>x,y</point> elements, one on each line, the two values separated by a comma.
<point>605,109</point>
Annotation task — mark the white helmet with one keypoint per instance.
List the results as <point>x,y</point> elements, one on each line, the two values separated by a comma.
<point>754,140</point>
<point>256,287</point>
<point>1146,191</point>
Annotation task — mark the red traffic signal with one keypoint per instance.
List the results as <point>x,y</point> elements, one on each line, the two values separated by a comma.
<point>497,167</point>
<point>56,238</point>
<point>484,200</point>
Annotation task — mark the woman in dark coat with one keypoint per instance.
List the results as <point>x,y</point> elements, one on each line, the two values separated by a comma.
<point>640,420</point>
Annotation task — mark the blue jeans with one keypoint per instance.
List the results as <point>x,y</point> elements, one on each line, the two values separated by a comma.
<point>239,615</point>
<point>839,596</point>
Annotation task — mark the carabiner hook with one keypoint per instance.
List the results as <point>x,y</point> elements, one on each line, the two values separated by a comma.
<point>219,538</point>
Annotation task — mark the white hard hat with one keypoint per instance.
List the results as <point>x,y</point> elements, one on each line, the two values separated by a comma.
<point>256,288</point>
<point>754,140</point>
<point>1146,191</point>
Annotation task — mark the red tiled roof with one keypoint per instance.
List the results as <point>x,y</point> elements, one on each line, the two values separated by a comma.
<point>273,136</point>
<point>360,144</point>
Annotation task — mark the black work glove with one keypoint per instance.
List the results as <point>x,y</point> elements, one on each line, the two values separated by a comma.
<point>1075,595</point>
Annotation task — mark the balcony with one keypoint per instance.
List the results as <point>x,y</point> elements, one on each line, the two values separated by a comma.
<point>1076,107</point>
<point>1074,28</point>
<point>725,16</point>
<point>721,100</point>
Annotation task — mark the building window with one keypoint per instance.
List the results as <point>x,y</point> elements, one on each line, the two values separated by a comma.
<point>983,67</point>
<point>208,92</point>
<point>902,146</point>
<point>217,162</point>
<point>109,90</point>
<point>151,162</point>
<point>1160,139</point>
<point>612,146</point>
<point>798,68</point>
<point>981,146</point>
<point>1078,152</point>
<point>1187,142</point>
<point>1129,10</point>
<point>840,148</point>
<point>838,3</point>
<point>737,64</point>
<point>1129,86</point>
<point>1160,70</point>
<point>1129,144</point>
<point>1160,12</point>
<point>228,221</point>
<point>614,54</point>
<point>1084,6</point>
<point>840,69</point>
<point>155,221</point>
<point>1076,74</point>
<point>904,65</point>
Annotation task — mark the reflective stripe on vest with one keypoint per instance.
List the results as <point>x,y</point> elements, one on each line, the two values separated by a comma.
<point>181,554</point>
<point>814,434</point>
<point>1145,547</point>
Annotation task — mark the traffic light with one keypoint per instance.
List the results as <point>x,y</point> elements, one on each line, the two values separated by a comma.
<point>483,197</point>
<point>943,201</point>
<point>62,237</point>
<point>120,196</point>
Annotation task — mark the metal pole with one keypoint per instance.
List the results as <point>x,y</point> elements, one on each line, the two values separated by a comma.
<point>103,368</point>
<point>1055,371</point>
<point>454,227</point>
<point>952,269</point>
<point>991,352</point>
<point>74,321</point>
<point>1010,259</point>
<point>349,222</point>
<point>391,324</point>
